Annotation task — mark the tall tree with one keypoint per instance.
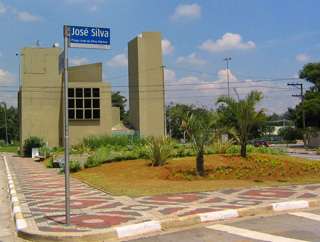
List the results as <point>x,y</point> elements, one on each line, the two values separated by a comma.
<point>173,116</point>
<point>9,116</point>
<point>310,72</point>
<point>120,101</point>
<point>246,116</point>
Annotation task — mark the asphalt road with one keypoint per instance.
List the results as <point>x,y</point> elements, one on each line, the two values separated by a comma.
<point>7,229</point>
<point>290,227</point>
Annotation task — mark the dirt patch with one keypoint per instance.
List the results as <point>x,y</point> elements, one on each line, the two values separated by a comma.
<point>138,178</point>
<point>254,167</point>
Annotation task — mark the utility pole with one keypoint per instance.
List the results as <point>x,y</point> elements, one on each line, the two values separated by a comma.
<point>303,116</point>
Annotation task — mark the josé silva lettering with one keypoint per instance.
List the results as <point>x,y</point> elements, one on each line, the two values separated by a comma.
<point>94,32</point>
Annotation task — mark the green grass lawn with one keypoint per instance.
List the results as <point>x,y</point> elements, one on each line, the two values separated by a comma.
<point>10,149</point>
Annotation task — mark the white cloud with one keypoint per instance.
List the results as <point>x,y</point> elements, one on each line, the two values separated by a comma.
<point>3,9</point>
<point>167,48</point>
<point>193,90</point>
<point>25,16</point>
<point>229,41</point>
<point>6,78</point>
<point>169,75</point>
<point>118,60</point>
<point>185,11</point>
<point>93,8</point>
<point>78,61</point>
<point>303,58</point>
<point>191,59</point>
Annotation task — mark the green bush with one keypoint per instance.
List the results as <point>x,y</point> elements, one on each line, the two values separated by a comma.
<point>74,166</point>
<point>32,142</point>
<point>94,142</point>
<point>49,164</point>
<point>98,158</point>
<point>159,150</point>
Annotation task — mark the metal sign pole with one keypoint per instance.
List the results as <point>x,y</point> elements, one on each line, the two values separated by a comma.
<point>66,150</point>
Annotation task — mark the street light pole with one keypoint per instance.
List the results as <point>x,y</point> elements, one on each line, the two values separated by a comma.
<point>227,59</point>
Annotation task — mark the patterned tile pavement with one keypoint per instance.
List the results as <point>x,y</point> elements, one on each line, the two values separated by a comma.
<point>41,194</point>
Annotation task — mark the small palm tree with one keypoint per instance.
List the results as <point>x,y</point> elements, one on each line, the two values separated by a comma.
<point>246,115</point>
<point>203,130</point>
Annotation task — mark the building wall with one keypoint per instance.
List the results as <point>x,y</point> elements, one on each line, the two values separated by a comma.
<point>115,115</point>
<point>40,94</point>
<point>146,84</point>
<point>41,98</point>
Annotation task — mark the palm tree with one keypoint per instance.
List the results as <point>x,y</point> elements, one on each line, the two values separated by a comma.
<point>203,130</point>
<point>246,116</point>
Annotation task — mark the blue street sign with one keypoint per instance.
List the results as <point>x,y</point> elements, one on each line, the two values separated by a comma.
<point>89,37</point>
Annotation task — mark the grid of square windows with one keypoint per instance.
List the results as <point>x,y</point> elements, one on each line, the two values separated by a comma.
<point>83,103</point>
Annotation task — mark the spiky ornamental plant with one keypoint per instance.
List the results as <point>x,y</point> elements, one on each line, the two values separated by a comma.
<point>158,150</point>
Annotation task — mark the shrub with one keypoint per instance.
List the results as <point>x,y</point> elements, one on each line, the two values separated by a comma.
<point>96,141</point>
<point>222,146</point>
<point>32,142</point>
<point>74,166</point>
<point>49,164</point>
<point>159,150</point>
<point>98,158</point>
<point>80,147</point>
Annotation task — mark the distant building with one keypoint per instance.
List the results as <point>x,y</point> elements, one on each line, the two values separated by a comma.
<point>41,95</point>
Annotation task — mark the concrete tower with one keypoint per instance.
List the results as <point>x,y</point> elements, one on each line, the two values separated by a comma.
<point>146,84</point>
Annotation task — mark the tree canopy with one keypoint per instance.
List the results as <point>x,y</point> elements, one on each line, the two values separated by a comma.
<point>120,101</point>
<point>310,72</point>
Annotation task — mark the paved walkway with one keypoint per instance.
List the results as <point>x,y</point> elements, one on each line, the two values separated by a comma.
<point>41,194</point>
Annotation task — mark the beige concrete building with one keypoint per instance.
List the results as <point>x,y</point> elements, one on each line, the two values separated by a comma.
<point>146,84</point>
<point>41,95</point>
<point>41,99</point>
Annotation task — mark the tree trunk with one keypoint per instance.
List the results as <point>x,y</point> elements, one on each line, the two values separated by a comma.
<point>200,161</point>
<point>243,149</point>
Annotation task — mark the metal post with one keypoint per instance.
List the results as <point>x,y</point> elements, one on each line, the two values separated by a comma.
<point>227,59</point>
<point>164,104</point>
<point>67,170</point>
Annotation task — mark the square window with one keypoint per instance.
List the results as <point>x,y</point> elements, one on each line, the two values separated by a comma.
<point>87,103</point>
<point>95,92</point>
<point>79,92</point>
<point>96,113</point>
<point>87,92</point>
<point>96,103</point>
<point>71,103</point>
<point>88,114</point>
<point>71,114</point>
<point>79,114</point>
<point>79,103</point>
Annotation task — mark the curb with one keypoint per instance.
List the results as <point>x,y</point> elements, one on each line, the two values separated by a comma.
<point>146,227</point>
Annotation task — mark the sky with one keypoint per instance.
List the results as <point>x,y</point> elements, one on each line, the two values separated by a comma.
<point>268,41</point>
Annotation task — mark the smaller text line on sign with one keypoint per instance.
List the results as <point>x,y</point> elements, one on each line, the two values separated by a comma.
<point>89,37</point>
